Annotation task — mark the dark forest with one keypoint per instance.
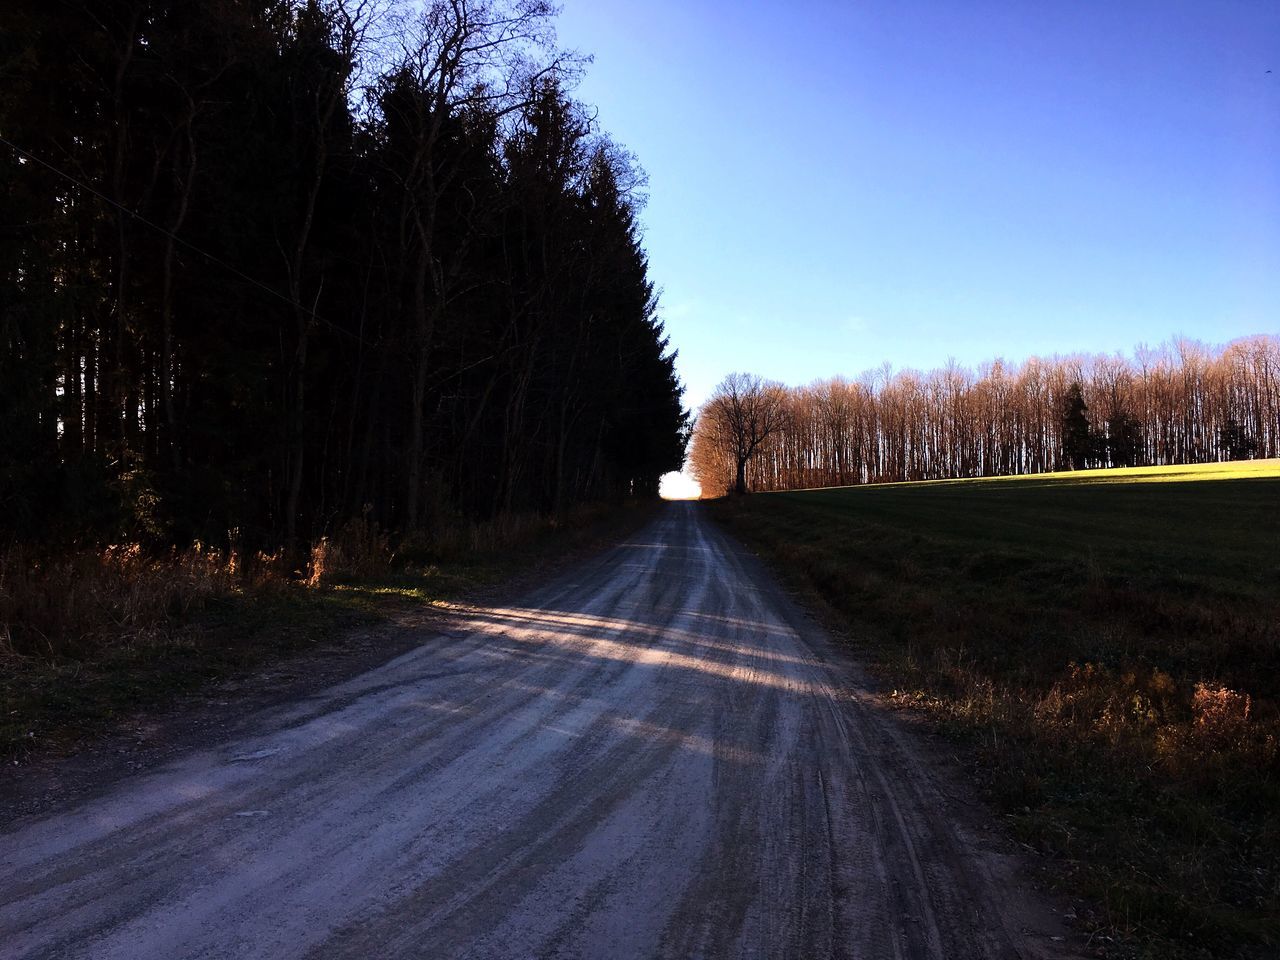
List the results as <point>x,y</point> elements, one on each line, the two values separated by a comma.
<point>270,265</point>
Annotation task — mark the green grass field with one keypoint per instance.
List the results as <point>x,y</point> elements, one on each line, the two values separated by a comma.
<point>1108,645</point>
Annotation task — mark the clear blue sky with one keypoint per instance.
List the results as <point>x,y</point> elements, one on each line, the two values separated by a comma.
<point>835,185</point>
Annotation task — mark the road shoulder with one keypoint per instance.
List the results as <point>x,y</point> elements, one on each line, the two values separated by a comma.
<point>1016,879</point>
<point>46,781</point>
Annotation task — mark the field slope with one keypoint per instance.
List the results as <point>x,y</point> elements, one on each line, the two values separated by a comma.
<point>1108,645</point>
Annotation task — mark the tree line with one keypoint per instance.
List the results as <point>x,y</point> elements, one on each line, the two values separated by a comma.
<point>270,264</point>
<point>1180,403</point>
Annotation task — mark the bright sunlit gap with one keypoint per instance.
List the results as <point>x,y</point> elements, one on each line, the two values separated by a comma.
<point>679,486</point>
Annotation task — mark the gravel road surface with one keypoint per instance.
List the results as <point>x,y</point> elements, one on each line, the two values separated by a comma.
<point>653,755</point>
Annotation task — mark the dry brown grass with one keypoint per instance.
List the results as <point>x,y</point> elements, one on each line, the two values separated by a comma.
<point>72,605</point>
<point>359,548</point>
<point>80,602</point>
<point>87,636</point>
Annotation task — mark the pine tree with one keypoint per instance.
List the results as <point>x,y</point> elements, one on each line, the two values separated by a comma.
<point>1077,440</point>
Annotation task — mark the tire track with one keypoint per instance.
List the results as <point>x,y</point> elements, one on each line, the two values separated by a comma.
<point>654,755</point>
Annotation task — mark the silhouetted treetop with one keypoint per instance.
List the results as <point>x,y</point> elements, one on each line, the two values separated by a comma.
<point>289,258</point>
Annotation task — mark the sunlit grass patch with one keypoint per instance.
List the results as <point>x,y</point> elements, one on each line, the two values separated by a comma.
<point>1176,473</point>
<point>1108,643</point>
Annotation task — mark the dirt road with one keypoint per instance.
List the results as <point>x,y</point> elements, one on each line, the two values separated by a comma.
<point>653,755</point>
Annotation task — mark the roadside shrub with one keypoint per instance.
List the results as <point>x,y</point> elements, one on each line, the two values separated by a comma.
<point>73,605</point>
<point>1221,739</point>
<point>1221,715</point>
<point>359,548</point>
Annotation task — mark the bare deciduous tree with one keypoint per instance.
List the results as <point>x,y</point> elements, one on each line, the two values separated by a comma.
<point>746,411</point>
<point>1181,403</point>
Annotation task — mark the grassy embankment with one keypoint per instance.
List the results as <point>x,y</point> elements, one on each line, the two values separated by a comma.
<point>1108,644</point>
<point>91,636</point>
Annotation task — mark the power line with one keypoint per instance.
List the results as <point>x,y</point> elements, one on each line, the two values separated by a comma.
<point>212,258</point>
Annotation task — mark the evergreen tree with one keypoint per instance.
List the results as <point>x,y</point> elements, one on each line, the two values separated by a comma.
<point>1235,442</point>
<point>241,298</point>
<point>1077,440</point>
<point>1124,440</point>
